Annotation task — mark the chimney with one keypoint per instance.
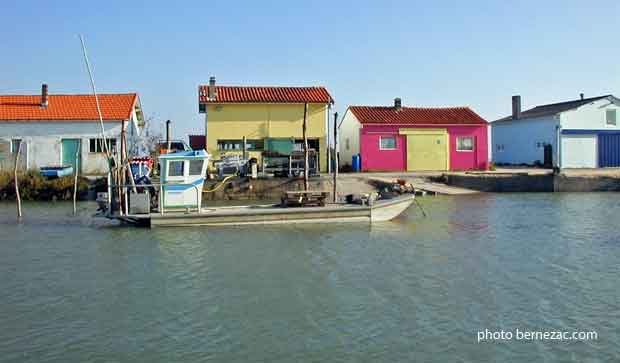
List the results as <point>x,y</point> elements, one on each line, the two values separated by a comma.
<point>516,107</point>
<point>398,104</point>
<point>212,92</point>
<point>581,96</point>
<point>44,98</point>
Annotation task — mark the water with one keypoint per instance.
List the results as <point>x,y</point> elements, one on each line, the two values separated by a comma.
<point>415,289</point>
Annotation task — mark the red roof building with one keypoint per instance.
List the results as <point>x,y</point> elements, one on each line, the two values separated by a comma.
<point>397,138</point>
<point>52,129</point>
<point>270,119</point>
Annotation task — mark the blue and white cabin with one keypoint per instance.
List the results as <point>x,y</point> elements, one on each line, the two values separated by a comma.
<point>183,176</point>
<point>582,133</point>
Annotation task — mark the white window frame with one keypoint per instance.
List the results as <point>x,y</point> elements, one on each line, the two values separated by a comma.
<point>12,147</point>
<point>192,163</point>
<point>112,145</point>
<point>607,113</point>
<point>184,170</point>
<point>473,144</point>
<point>388,137</point>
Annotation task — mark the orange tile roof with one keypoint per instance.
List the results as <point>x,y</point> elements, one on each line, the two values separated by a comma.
<point>416,115</point>
<point>248,94</point>
<point>114,107</point>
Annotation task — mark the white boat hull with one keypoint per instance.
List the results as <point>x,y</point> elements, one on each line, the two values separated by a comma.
<point>380,211</point>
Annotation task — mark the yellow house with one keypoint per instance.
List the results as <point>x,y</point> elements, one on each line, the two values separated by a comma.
<point>264,116</point>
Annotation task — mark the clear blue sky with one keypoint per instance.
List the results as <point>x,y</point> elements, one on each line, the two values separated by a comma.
<point>475,53</point>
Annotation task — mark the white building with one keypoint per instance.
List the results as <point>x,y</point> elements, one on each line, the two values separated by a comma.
<point>53,129</point>
<point>582,133</point>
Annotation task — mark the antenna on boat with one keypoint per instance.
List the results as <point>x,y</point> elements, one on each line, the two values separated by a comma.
<point>92,84</point>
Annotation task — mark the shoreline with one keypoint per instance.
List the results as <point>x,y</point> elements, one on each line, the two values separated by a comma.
<point>451,183</point>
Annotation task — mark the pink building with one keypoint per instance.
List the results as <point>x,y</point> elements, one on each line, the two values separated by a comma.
<point>400,138</point>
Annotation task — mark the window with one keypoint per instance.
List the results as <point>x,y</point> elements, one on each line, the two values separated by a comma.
<point>96,145</point>
<point>195,167</point>
<point>465,143</point>
<point>251,145</point>
<point>15,144</point>
<point>255,144</point>
<point>387,143</point>
<point>611,117</point>
<point>176,168</point>
<point>347,144</point>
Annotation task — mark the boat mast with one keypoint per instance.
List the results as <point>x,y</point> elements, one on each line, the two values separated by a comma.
<point>92,84</point>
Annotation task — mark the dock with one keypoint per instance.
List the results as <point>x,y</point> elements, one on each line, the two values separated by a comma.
<point>424,187</point>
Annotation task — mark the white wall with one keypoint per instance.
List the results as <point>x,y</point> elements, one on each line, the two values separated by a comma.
<point>43,139</point>
<point>590,116</point>
<point>522,140</point>
<point>349,138</point>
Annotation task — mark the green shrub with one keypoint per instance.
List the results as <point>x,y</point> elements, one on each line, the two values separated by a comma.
<point>34,186</point>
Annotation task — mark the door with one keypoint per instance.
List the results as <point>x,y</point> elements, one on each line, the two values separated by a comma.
<point>579,151</point>
<point>427,151</point>
<point>609,151</point>
<point>70,151</point>
<point>548,156</point>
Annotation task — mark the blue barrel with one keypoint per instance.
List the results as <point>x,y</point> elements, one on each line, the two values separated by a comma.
<point>356,163</point>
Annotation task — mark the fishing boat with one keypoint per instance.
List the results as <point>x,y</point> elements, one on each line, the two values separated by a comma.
<point>177,201</point>
<point>56,171</point>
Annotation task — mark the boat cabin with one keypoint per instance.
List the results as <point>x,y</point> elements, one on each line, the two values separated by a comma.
<point>182,178</point>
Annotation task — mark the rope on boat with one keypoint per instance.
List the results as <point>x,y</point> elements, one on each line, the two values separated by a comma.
<point>220,185</point>
<point>419,206</point>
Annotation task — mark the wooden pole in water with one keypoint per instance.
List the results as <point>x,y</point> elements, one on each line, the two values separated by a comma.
<point>306,168</point>
<point>329,149</point>
<point>244,148</point>
<point>75,178</point>
<point>123,159</point>
<point>335,158</point>
<point>17,196</point>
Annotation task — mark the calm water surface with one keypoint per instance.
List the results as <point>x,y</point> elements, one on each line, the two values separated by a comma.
<point>416,289</point>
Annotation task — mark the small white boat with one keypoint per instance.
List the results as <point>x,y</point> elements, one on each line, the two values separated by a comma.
<point>179,202</point>
<point>56,171</point>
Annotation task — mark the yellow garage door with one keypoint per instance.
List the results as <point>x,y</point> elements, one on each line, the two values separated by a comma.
<point>427,149</point>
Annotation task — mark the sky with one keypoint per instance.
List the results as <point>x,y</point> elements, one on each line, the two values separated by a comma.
<point>429,53</point>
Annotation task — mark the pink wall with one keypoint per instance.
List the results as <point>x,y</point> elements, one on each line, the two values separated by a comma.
<point>374,159</point>
<point>466,160</point>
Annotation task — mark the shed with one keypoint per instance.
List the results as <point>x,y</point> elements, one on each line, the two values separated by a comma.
<point>581,133</point>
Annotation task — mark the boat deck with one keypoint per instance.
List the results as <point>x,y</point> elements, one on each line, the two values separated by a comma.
<point>274,214</point>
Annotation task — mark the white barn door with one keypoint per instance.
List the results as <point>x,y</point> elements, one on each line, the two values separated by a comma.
<point>579,151</point>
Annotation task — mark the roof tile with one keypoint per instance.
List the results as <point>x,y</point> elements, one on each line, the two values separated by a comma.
<point>245,94</point>
<point>416,115</point>
<point>67,107</point>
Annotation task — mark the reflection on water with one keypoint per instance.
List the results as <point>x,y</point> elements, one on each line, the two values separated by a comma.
<point>414,289</point>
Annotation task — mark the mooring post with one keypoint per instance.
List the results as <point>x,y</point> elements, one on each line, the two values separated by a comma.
<point>17,196</point>
<point>306,168</point>
<point>75,178</point>
<point>244,149</point>
<point>335,158</point>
